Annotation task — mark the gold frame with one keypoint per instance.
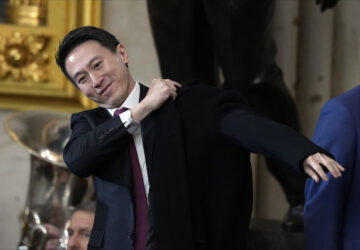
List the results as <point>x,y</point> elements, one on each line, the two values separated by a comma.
<point>55,92</point>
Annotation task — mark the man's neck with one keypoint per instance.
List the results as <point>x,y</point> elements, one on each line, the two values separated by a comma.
<point>131,100</point>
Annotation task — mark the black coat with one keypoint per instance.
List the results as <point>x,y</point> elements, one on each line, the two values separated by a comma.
<point>197,151</point>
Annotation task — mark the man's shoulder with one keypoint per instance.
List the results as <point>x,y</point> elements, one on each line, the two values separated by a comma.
<point>202,93</point>
<point>195,88</point>
<point>350,96</point>
<point>92,113</point>
<point>350,100</point>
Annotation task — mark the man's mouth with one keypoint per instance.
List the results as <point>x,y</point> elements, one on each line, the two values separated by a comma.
<point>103,90</point>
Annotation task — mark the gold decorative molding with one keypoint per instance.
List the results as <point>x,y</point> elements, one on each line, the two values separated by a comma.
<point>26,12</point>
<point>29,76</point>
<point>24,57</point>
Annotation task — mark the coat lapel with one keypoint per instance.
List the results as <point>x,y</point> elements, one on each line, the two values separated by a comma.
<point>148,132</point>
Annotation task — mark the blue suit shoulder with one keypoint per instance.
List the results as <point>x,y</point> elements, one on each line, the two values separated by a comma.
<point>350,99</point>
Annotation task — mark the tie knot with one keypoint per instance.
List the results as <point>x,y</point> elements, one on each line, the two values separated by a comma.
<point>119,111</point>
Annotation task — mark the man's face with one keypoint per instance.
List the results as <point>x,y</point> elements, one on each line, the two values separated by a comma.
<point>100,74</point>
<point>79,230</point>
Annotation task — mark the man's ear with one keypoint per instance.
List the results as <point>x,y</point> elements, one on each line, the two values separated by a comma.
<point>120,49</point>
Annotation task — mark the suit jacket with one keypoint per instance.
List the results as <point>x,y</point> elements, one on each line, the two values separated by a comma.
<point>197,153</point>
<point>332,217</point>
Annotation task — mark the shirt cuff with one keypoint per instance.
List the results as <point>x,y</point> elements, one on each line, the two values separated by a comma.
<point>130,125</point>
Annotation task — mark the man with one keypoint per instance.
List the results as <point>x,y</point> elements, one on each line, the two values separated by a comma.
<point>191,155</point>
<point>332,218</point>
<point>80,225</point>
<point>234,36</point>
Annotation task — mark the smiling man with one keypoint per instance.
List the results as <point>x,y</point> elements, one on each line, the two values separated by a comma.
<point>170,164</point>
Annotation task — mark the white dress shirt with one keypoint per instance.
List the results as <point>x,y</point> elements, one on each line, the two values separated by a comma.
<point>131,101</point>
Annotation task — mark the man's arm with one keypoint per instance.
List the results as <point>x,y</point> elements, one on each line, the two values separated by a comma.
<point>260,135</point>
<point>90,144</point>
<point>160,90</point>
<point>325,202</point>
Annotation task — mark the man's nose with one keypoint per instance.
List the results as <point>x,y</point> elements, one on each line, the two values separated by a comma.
<point>73,243</point>
<point>96,79</point>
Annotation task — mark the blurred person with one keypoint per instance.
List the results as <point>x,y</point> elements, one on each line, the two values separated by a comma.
<point>332,218</point>
<point>80,226</point>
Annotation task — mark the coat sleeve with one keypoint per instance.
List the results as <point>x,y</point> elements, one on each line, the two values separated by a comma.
<point>90,144</point>
<point>326,201</point>
<point>260,135</point>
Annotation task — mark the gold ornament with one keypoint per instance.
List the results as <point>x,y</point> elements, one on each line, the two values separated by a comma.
<point>23,57</point>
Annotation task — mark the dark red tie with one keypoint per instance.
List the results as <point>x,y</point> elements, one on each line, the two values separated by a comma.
<point>140,202</point>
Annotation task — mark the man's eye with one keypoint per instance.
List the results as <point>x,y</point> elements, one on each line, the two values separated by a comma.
<point>97,65</point>
<point>82,80</point>
<point>86,234</point>
<point>70,232</point>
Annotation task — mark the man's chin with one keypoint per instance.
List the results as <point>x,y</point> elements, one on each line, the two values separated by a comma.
<point>108,105</point>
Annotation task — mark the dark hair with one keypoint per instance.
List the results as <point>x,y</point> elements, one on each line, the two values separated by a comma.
<point>87,206</point>
<point>78,36</point>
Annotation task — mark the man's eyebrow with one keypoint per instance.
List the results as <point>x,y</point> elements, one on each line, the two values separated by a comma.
<point>89,63</point>
<point>93,59</point>
<point>85,230</point>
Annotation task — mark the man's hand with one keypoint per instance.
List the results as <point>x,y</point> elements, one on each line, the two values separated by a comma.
<point>53,236</point>
<point>160,90</point>
<point>326,4</point>
<point>314,164</point>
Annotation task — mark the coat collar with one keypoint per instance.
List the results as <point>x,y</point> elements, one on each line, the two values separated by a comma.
<point>148,132</point>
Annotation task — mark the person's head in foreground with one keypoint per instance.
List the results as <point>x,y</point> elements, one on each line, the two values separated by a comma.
<point>81,223</point>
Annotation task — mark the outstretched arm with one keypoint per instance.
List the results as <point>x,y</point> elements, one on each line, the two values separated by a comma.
<point>260,135</point>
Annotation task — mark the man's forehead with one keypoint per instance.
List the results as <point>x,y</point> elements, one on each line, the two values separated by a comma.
<point>80,56</point>
<point>82,213</point>
<point>85,48</point>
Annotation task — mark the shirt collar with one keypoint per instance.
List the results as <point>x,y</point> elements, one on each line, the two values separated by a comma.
<point>131,101</point>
